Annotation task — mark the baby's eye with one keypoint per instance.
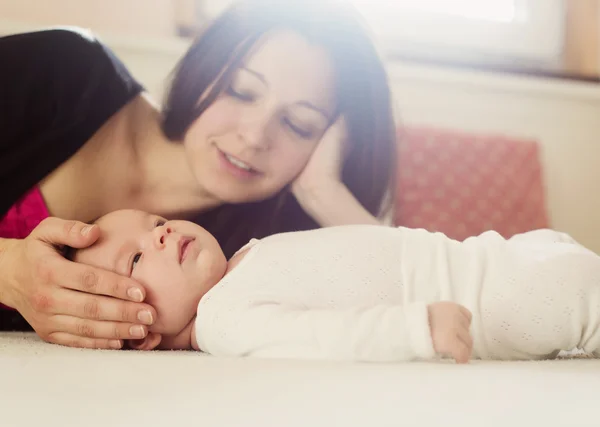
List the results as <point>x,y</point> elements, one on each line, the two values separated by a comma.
<point>160,223</point>
<point>135,260</point>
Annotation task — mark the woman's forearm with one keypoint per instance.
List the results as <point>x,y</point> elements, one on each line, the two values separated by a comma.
<point>333,204</point>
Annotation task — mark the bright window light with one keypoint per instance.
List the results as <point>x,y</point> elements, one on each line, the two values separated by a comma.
<point>490,10</point>
<point>496,31</point>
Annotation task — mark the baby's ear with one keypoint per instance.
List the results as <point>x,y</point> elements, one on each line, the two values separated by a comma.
<point>151,341</point>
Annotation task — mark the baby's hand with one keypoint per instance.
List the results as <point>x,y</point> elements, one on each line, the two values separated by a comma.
<point>449,323</point>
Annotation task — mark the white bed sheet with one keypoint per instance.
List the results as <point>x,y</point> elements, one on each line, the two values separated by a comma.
<point>45,385</point>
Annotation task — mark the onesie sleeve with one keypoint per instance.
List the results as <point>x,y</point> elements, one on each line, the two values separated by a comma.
<point>383,333</point>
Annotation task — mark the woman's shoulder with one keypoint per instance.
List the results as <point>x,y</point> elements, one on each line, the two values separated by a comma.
<point>71,53</point>
<point>55,38</point>
<point>53,44</point>
<point>58,87</point>
<point>50,36</point>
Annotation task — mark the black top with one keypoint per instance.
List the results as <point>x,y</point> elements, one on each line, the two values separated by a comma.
<point>57,88</point>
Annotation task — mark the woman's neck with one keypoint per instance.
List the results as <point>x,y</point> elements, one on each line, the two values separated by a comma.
<point>167,185</point>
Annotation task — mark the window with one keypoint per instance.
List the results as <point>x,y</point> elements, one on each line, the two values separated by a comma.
<point>520,33</point>
<point>494,10</point>
<point>529,31</point>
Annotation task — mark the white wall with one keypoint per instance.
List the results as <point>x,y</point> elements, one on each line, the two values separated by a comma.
<point>134,17</point>
<point>563,116</point>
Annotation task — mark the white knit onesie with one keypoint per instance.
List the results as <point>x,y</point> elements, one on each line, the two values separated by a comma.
<point>361,293</point>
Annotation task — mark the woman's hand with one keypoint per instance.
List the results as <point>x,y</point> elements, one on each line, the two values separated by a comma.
<point>65,302</point>
<point>319,188</point>
<point>325,165</point>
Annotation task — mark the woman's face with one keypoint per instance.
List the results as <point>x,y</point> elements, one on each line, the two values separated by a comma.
<point>260,132</point>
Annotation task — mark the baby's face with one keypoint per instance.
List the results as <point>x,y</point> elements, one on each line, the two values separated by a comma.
<point>176,261</point>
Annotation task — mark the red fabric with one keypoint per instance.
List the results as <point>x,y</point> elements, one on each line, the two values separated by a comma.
<point>463,184</point>
<point>23,217</point>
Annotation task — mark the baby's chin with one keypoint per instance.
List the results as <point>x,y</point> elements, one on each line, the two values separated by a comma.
<point>174,323</point>
<point>177,338</point>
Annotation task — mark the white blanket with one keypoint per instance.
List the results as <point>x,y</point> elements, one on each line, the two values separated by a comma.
<point>44,385</point>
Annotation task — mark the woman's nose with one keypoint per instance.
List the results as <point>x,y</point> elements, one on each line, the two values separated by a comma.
<point>161,234</point>
<point>254,130</point>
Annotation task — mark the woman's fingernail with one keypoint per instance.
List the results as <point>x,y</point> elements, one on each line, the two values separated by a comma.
<point>116,344</point>
<point>135,294</point>
<point>137,331</point>
<point>85,230</point>
<point>145,317</point>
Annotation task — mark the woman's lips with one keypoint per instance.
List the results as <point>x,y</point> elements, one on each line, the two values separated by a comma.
<point>236,166</point>
<point>184,246</point>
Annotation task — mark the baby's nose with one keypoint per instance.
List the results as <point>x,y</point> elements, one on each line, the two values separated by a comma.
<point>160,235</point>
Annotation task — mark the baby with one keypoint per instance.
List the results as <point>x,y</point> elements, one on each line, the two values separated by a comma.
<point>357,293</point>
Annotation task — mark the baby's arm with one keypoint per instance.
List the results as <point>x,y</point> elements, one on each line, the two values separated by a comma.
<point>381,333</point>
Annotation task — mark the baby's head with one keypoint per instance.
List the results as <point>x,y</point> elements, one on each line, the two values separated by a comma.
<point>177,262</point>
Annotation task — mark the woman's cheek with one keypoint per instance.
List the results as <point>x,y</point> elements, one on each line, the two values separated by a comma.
<point>216,119</point>
<point>224,113</point>
<point>296,161</point>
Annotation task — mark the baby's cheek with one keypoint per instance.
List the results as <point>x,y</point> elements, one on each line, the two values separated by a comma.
<point>167,311</point>
<point>154,292</point>
<point>174,305</point>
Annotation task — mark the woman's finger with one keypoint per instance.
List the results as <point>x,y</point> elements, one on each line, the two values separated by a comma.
<point>97,329</point>
<point>56,231</point>
<point>85,278</point>
<point>338,128</point>
<point>63,273</point>
<point>336,136</point>
<point>69,340</point>
<point>95,307</point>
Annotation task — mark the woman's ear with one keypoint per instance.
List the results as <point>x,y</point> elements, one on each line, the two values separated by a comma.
<point>151,341</point>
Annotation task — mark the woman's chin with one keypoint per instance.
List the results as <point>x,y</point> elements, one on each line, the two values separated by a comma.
<point>240,196</point>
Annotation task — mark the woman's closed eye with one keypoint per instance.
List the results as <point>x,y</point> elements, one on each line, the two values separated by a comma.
<point>299,130</point>
<point>248,96</point>
<point>244,96</point>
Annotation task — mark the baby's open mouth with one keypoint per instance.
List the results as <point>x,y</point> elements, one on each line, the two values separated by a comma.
<point>184,244</point>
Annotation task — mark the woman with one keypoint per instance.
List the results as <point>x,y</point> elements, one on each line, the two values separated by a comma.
<point>262,112</point>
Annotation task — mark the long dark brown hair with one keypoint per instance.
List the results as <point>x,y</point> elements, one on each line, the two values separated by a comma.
<point>362,93</point>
